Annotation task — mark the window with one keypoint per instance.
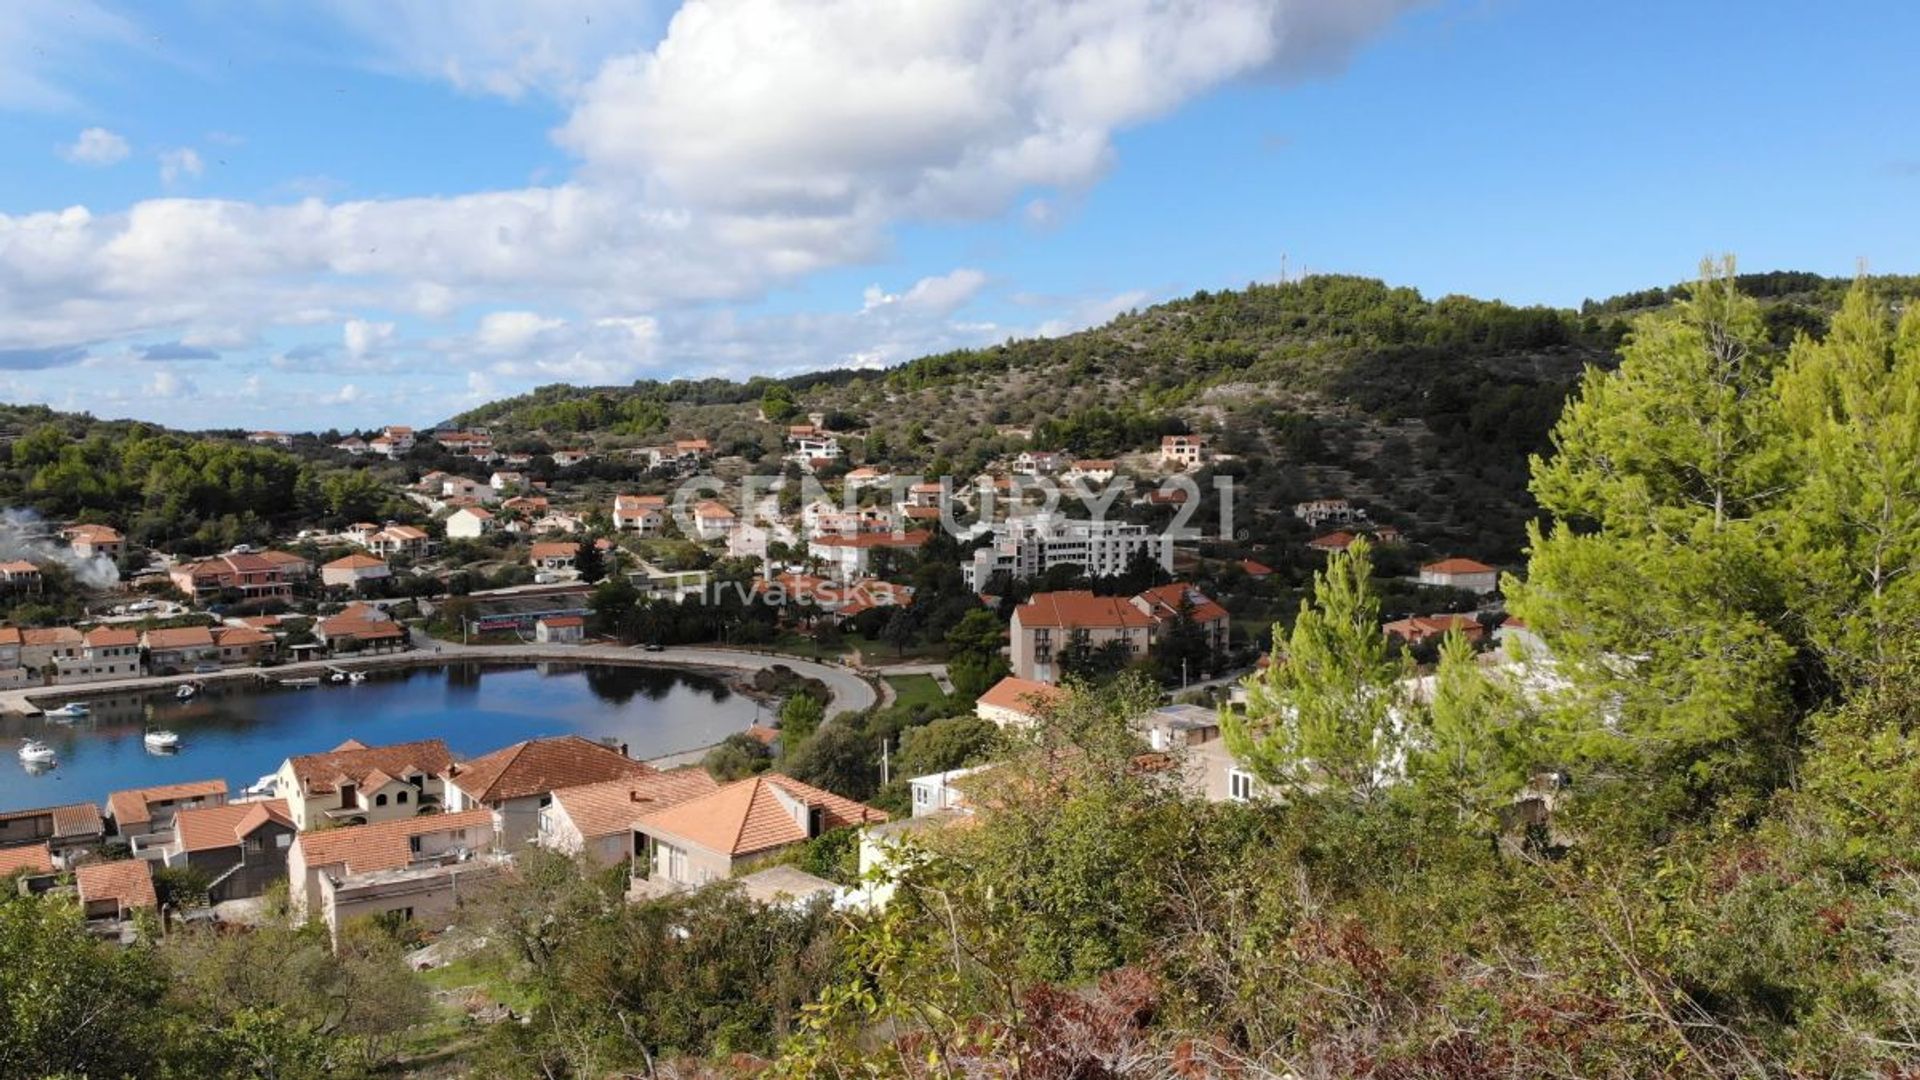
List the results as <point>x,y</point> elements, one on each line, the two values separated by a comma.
<point>400,798</point>
<point>380,799</point>
<point>921,796</point>
<point>283,840</point>
<point>1239,786</point>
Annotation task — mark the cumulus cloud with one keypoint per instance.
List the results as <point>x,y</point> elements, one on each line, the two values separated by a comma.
<point>183,162</point>
<point>362,338</point>
<point>96,146</point>
<point>748,144</point>
<point>166,384</point>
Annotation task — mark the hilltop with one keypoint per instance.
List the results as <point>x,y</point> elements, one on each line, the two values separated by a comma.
<point>1424,410</point>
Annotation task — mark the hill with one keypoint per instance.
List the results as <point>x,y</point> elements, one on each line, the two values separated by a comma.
<point>1424,410</point>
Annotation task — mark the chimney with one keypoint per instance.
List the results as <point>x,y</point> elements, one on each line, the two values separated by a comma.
<point>623,750</point>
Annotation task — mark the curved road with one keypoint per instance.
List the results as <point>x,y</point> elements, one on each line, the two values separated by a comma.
<point>851,692</point>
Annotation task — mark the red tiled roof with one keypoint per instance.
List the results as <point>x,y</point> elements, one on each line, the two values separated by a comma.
<point>354,562</point>
<point>180,637</point>
<point>73,819</point>
<point>747,816</point>
<point>110,637</point>
<point>539,766</point>
<point>383,845</point>
<point>873,540</point>
<point>127,882</point>
<point>351,761</point>
<point>563,620</point>
<point>134,805</point>
<point>550,549</point>
<point>1163,602</point>
<point>1079,609</point>
<point>214,827</point>
<point>1024,696</point>
<point>614,805</point>
<point>37,859</point>
<point>229,637</point>
<point>1456,565</point>
<point>1420,628</point>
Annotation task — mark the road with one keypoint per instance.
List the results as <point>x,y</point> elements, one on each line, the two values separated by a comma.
<point>851,692</point>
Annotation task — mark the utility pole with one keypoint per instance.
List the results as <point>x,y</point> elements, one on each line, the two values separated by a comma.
<point>886,762</point>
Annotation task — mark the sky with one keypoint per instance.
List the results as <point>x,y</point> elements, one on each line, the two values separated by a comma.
<point>347,213</point>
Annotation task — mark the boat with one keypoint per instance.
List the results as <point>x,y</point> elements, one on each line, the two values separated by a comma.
<point>71,710</point>
<point>338,676</point>
<point>302,684</point>
<point>264,788</point>
<point>35,752</point>
<point>186,690</point>
<point>161,739</point>
<point>356,676</point>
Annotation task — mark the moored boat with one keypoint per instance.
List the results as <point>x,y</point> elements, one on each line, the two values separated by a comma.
<point>70,711</point>
<point>161,739</point>
<point>35,752</point>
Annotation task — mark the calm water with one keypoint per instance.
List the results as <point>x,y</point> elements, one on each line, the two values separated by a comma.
<point>241,731</point>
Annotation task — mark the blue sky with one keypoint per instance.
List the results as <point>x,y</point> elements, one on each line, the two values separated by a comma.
<point>349,213</point>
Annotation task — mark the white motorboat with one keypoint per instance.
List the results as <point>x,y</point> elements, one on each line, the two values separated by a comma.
<point>186,690</point>
<point>264,788</point>
<point>161,739</point>
<point>356,676</point>
<point>35,752</point>
<point>72,710</point>
<point>307,683</point>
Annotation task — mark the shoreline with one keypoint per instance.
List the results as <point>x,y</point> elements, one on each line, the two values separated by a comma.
<point>850,690</point>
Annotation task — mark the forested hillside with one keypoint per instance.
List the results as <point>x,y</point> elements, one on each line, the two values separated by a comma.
<point>1426,410</point>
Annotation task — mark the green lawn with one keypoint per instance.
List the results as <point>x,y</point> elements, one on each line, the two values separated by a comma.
<point>916,690</point>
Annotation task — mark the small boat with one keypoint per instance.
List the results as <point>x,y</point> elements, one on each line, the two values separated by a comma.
<point>161,739</point>
<point>338,676</point>
<point>186,690</point>
<point>35,752</point>
<point>70,711</point>
<point>356,676</point>
<point>264,788</point>
<point>302,684</point>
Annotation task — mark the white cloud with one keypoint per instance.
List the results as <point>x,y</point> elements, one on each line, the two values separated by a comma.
<point>167,384</point>
<point>501,47</point>
<point>96,146</point>
<point>362,338</point>
<point>184,162</point>
<point>45,37</point>
<point>510,330</point>
<point>935,295</point>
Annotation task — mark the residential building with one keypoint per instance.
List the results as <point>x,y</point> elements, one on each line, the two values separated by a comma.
<point>567,459</point>
<point>115,890</point>
<point>1048,624</point>
<point>28,868</point>
<point>20,575</point>
<point>644,514</point>
<point>106,652</point>
<point>1014,702</point>
<point>713,836</point>
<point>867,476</point>
<point>243,646</point>
<point>1458,573</point>
<point>354,572</point>
<point>553,554</point>
<point>1093,471</point>
<point>469,523</point>
<point>1031,544</point>
<point>270,438</point>
<point>927,493</point>
<point>849,558</point>
<point>596,820</point>
<point>44,648</point>
<point>1039,462</point>
<point>1258,571</point>
<point>712,519</point>
<point>940,792</point>
<point>414,868</point>
<point>144,811</point>
<point>560,630</point>
<point>352,444</point>
<point>1163,605</point>
<point>13,673</point>
<point>1318,512</point>
<point>1183,451</point>
<point>407,540</point>
<point>361,629</point>
<point>1333,542</point>
<point>253,576</point>
<point>62,828</point>
<point>384,447</point>
<point>103,541</point>
<point>294,568</point>
<point>518,781</point>
<point>399,438</point>
<point>1420,629</point>
<point>240,848</point>
<point>505,481</point>
<point>358,784</point>
<point>179,648</point>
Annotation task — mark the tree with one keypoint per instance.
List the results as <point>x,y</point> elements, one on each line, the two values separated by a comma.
<point>974,660</point>
<point>838,757</point>
<point>1184,650</point>
<point>1475,743</point>
<point>737,757</point>
<point>800,717</point>
<point>1328,709</point>
<point>588,561</point>
<point>71,1005</point>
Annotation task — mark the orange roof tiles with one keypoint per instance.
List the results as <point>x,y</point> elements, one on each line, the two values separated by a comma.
<point>127,882</point>
<point>180,637</point>
<point>1456,566</point>
<point>751,815</point>
<point>1080,609</point>
<point>539,766</point>
<point>212,827</point>
<point>384,845</point>
<point>1021,695</point>
<point>352,761</point>
<point>134,806</point>
<point>613,806</point>
<point>36,859</point>
<point>1163,602</point>
<point>112,637</point>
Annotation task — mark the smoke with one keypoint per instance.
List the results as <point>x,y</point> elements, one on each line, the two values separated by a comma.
<point>26,535</point>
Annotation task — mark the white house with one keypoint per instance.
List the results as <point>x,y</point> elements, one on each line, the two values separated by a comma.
<point>1458,573</point>
<point>469,523</point>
